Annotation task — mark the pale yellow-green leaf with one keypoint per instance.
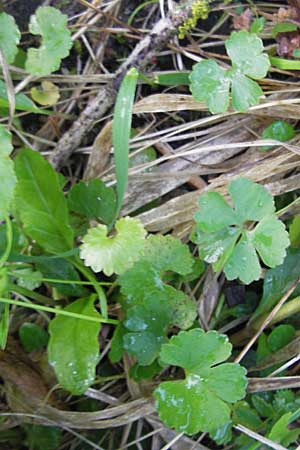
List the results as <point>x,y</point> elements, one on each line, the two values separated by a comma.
<point>47,94</point>
<point>113,254</point>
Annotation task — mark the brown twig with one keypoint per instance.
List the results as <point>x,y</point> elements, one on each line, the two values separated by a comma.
<point>140,57</point>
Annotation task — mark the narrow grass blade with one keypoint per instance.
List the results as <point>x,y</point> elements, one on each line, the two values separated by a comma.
<point>121,131</point>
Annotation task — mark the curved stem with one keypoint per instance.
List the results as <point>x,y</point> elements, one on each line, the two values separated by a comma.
<point>57,311</point>
<point>91,277</point>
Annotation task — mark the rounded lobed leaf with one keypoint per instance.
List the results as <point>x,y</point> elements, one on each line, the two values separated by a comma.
<point>214,213</point>
<point>228,381</point>
<point>189,407</point>
<point>246,52</point>
<point>243,263</point>
<point>9,37</point>
<point>51,24</point>
<point>215,248</point>
<point>245,92</point>
<point>200,400</point>
<point>210,84</point>
<point>271,240</point>
<point>196,350</point>
<point>113,254</point>
<point>251,200</point>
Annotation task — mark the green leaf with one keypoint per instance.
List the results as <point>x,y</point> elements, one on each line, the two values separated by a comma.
<point>121,129</point>
<point>215,213</point>
<point>7,173</point>
<point>296,53</point>
<point>278,281</point>
<point>93,200</point>
<point>210,84</point>
<point>19,241</point>
<point>201,399</point>
<point>51,24</point>
<point>116,343</point>
<point>280,336</point>
<point>271,239</point>
<point>113,254</point>
<point>262,405</point>
<point>279,130</point>
<point>139,373</point>
<point>151,306</point>
<point>28,278</point>
<point>251,200</point>
<point>294,232</point>
<point>61,269</point>
<point>245,415</point>
<point>243,263</point>
<point>23,103</point>
<point>245,92</point>
<point>47,94</point>
<point>281,433</point>
<point>196,350</point>
<point>32,336</point>
<point>258,25</point>
<point>41,204</point>
<point>219,242</point>
<point>215,248</point>
<point>9,37</point>
<point>74,348</point>
<point>284,27</point>
<point>246,52</point>
<point>43,437</point>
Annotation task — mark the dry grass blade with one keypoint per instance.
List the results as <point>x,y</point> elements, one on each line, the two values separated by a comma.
<point>259,437</point>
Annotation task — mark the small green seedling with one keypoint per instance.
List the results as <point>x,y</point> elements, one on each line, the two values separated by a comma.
<point>278,130</point>
<point>202,400</point>
<point>210,83</point>
<point>227,238</point>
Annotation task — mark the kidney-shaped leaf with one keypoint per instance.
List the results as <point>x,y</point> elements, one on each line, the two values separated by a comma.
<point>74,348</point>
<point>113,254</point>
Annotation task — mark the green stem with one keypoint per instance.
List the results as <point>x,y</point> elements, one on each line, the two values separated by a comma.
<point>27,293</point>
<point>55,280</point>
<point>9,239</point>
<point>91,277</point>
<point>286,208</point>
<point>57,311</point>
